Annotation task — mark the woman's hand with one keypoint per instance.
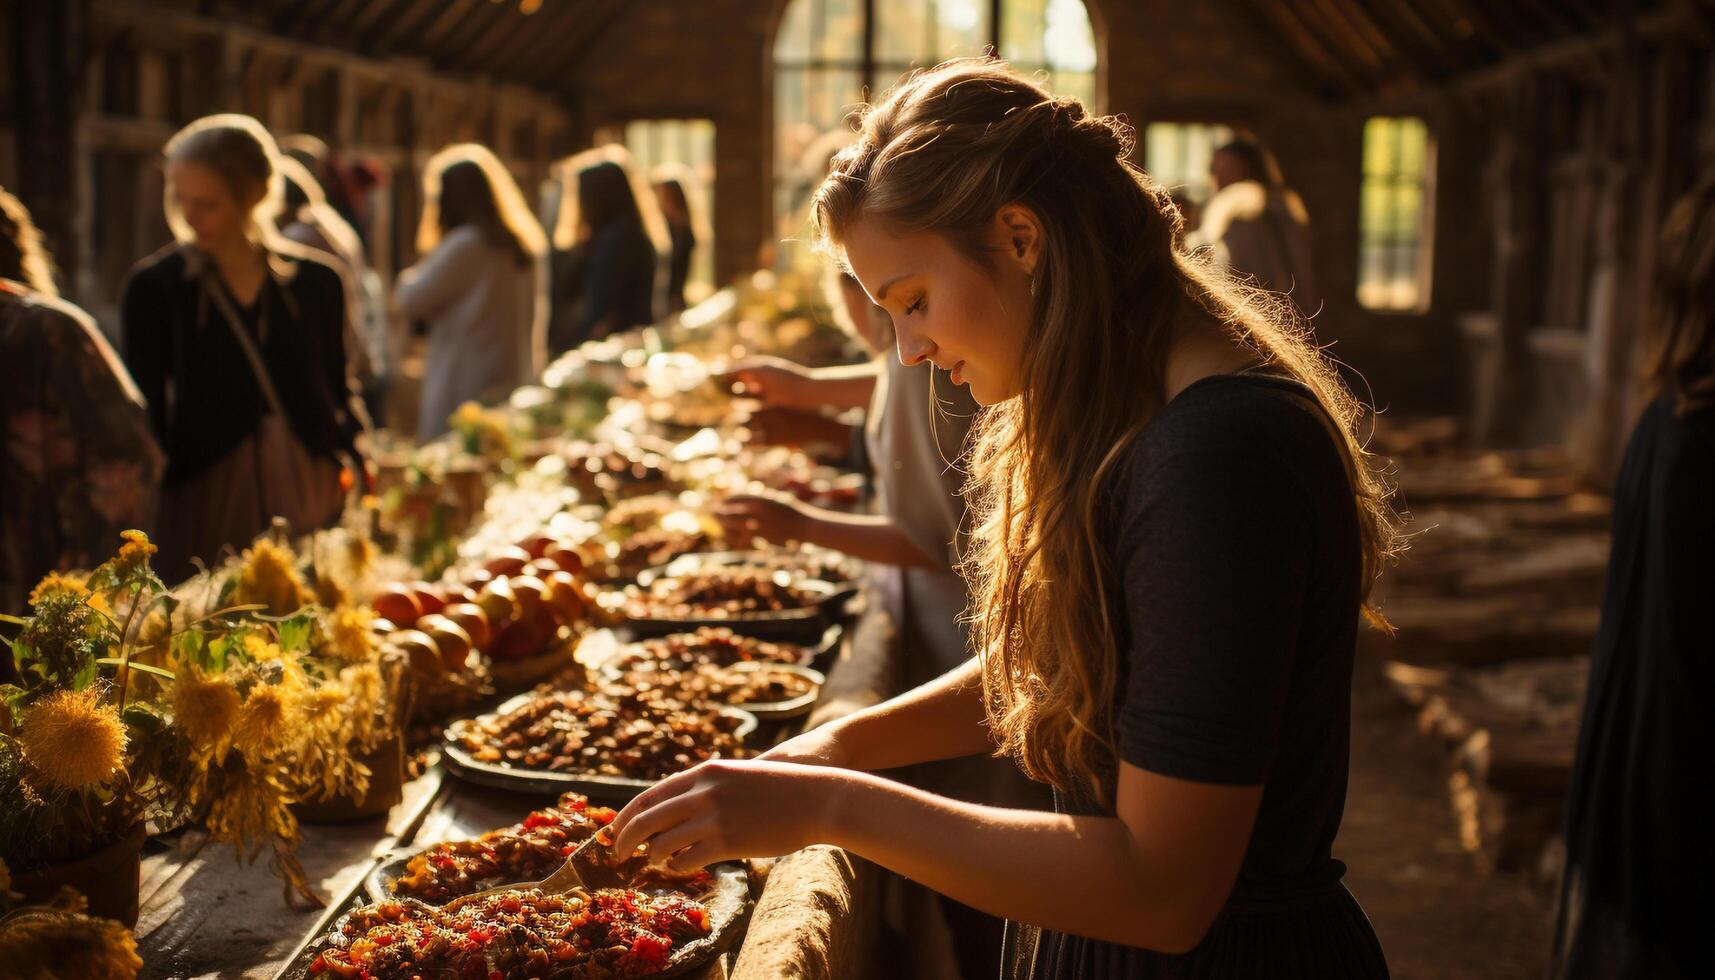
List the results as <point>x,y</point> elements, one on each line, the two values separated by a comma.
<point>726,809</point>
<point>772,517</point>
<point>774,426</point>
<point>774,381</point>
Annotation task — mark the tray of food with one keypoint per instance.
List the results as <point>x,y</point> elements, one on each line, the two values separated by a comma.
<point>814,563</point>
<point>770,691</point>
<point>646,532</point>
<point>610,744</point>
<point>529,850</point>
<point>523,934</point>
<point>758,601</point>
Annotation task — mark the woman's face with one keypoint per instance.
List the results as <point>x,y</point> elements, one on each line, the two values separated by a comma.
<point>969,318</point>
<point>208,203</point>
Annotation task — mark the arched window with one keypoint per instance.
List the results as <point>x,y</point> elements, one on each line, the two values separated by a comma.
<point>830,54</point>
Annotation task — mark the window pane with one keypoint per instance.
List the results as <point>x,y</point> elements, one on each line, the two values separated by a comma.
<point>1055,33</point>
<point>793,42</point>
<point>1394,214</point>
<point>687,143</point>
<point>1413,148</point>
<point>1378,147</point>
<point>1177,155</point>
<point>926,32</point>
<point>821,30</point>
<point>838,33</point>
<point>809,103</point>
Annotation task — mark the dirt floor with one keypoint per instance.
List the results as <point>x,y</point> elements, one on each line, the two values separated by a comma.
<point>1438,916</point>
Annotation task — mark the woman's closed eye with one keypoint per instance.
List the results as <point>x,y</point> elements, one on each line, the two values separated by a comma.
<point>915,307</point>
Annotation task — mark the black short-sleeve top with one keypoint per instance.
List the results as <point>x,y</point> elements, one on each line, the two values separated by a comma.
<point>1234,538</point>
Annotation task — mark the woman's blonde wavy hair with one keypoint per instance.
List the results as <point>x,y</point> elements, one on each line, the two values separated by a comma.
<point>943,153</point>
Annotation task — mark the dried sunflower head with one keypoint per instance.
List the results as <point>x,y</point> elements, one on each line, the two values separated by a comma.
<point>348,635</point>
<point>57,582</point>
<point>205,708</point>
<point>262,722</point>
<point>323,709</point>
<point>72,740</point>
<point>268,575</point>
<point>137,549</point>
<point>46,944</point>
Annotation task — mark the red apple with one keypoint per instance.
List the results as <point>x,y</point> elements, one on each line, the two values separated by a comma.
<point>399,604</point>
<point>508,561</point>
<point>450,638</point>
<point>474,620</point>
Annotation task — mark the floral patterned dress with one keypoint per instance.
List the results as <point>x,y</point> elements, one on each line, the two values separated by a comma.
<point>80,463</point>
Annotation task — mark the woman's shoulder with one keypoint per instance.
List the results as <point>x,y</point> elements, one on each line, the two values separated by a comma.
<point>1233,413</point>
<point>165,266</point>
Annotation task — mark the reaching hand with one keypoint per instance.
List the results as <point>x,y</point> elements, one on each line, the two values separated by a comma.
<point>725,809</point>
<point>772,517</point>
<point>774,381</point>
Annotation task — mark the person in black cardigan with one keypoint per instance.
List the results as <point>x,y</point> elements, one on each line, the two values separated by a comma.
<point>237,339</point>
<point>1635,897</point>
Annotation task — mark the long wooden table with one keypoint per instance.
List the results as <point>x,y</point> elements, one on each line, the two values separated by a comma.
<point>204,915</point>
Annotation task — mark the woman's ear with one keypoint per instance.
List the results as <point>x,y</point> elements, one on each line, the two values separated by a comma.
<point>1018,236</point>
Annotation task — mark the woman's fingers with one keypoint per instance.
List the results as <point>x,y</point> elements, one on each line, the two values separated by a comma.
<point>677,846</point>
<point>645,805</point>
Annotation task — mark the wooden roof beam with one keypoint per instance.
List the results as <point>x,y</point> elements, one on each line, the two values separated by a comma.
<point>1309,46</point>
<point>541,68</point>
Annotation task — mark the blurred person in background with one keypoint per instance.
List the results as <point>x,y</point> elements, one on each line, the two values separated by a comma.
<point>682,213</point>
<point>80,463</point>
<point>236,337</point>
<point>479,286</point>
<point>1634,900</point>
<point>309,220</point>
<point>609,243</point>
<point>1256,225</point>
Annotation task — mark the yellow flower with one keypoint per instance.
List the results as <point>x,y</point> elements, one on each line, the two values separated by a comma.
<point>261,722</point>
<point>72,739</point>
<point>137,547</point>
<point>259,647</point>
<point>204,707</point>
<point>359,553</point>
<point>267,575</point>
<point>44,943</point>
<point>366,689</point>
<point>58,582</point>
<point>324,708</point>
<point>348,635</point>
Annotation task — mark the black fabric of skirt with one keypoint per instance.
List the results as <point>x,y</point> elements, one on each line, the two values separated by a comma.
<point>1326,936</point>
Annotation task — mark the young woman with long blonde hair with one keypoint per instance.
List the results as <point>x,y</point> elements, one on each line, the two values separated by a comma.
<point>1175,533</point>
<point>480,285</point>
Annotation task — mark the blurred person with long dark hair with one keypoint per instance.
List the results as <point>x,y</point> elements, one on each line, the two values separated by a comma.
<point>680,210</point>
<point>478,285</point>
<point>343,186</point>
<point>236,337</point>
<point>608,240</point>
<point>1635,899</point>
<point>309,219</point>
<point>1256,225</point>
<point>80,463</point>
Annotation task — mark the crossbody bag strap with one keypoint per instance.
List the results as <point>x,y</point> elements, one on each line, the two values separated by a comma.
<point>228,313</point>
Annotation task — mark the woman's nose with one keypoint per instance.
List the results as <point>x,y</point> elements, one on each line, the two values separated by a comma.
<point>914,350</point>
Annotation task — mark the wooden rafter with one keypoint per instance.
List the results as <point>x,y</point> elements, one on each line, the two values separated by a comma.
<point>406,27</point>
<point>1318,56</point>
<point>553,21</point>
<point>542,65</point>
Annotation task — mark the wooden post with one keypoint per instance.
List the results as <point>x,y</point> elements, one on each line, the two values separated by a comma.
<point>1517,211</point>
<point>47,50</point>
